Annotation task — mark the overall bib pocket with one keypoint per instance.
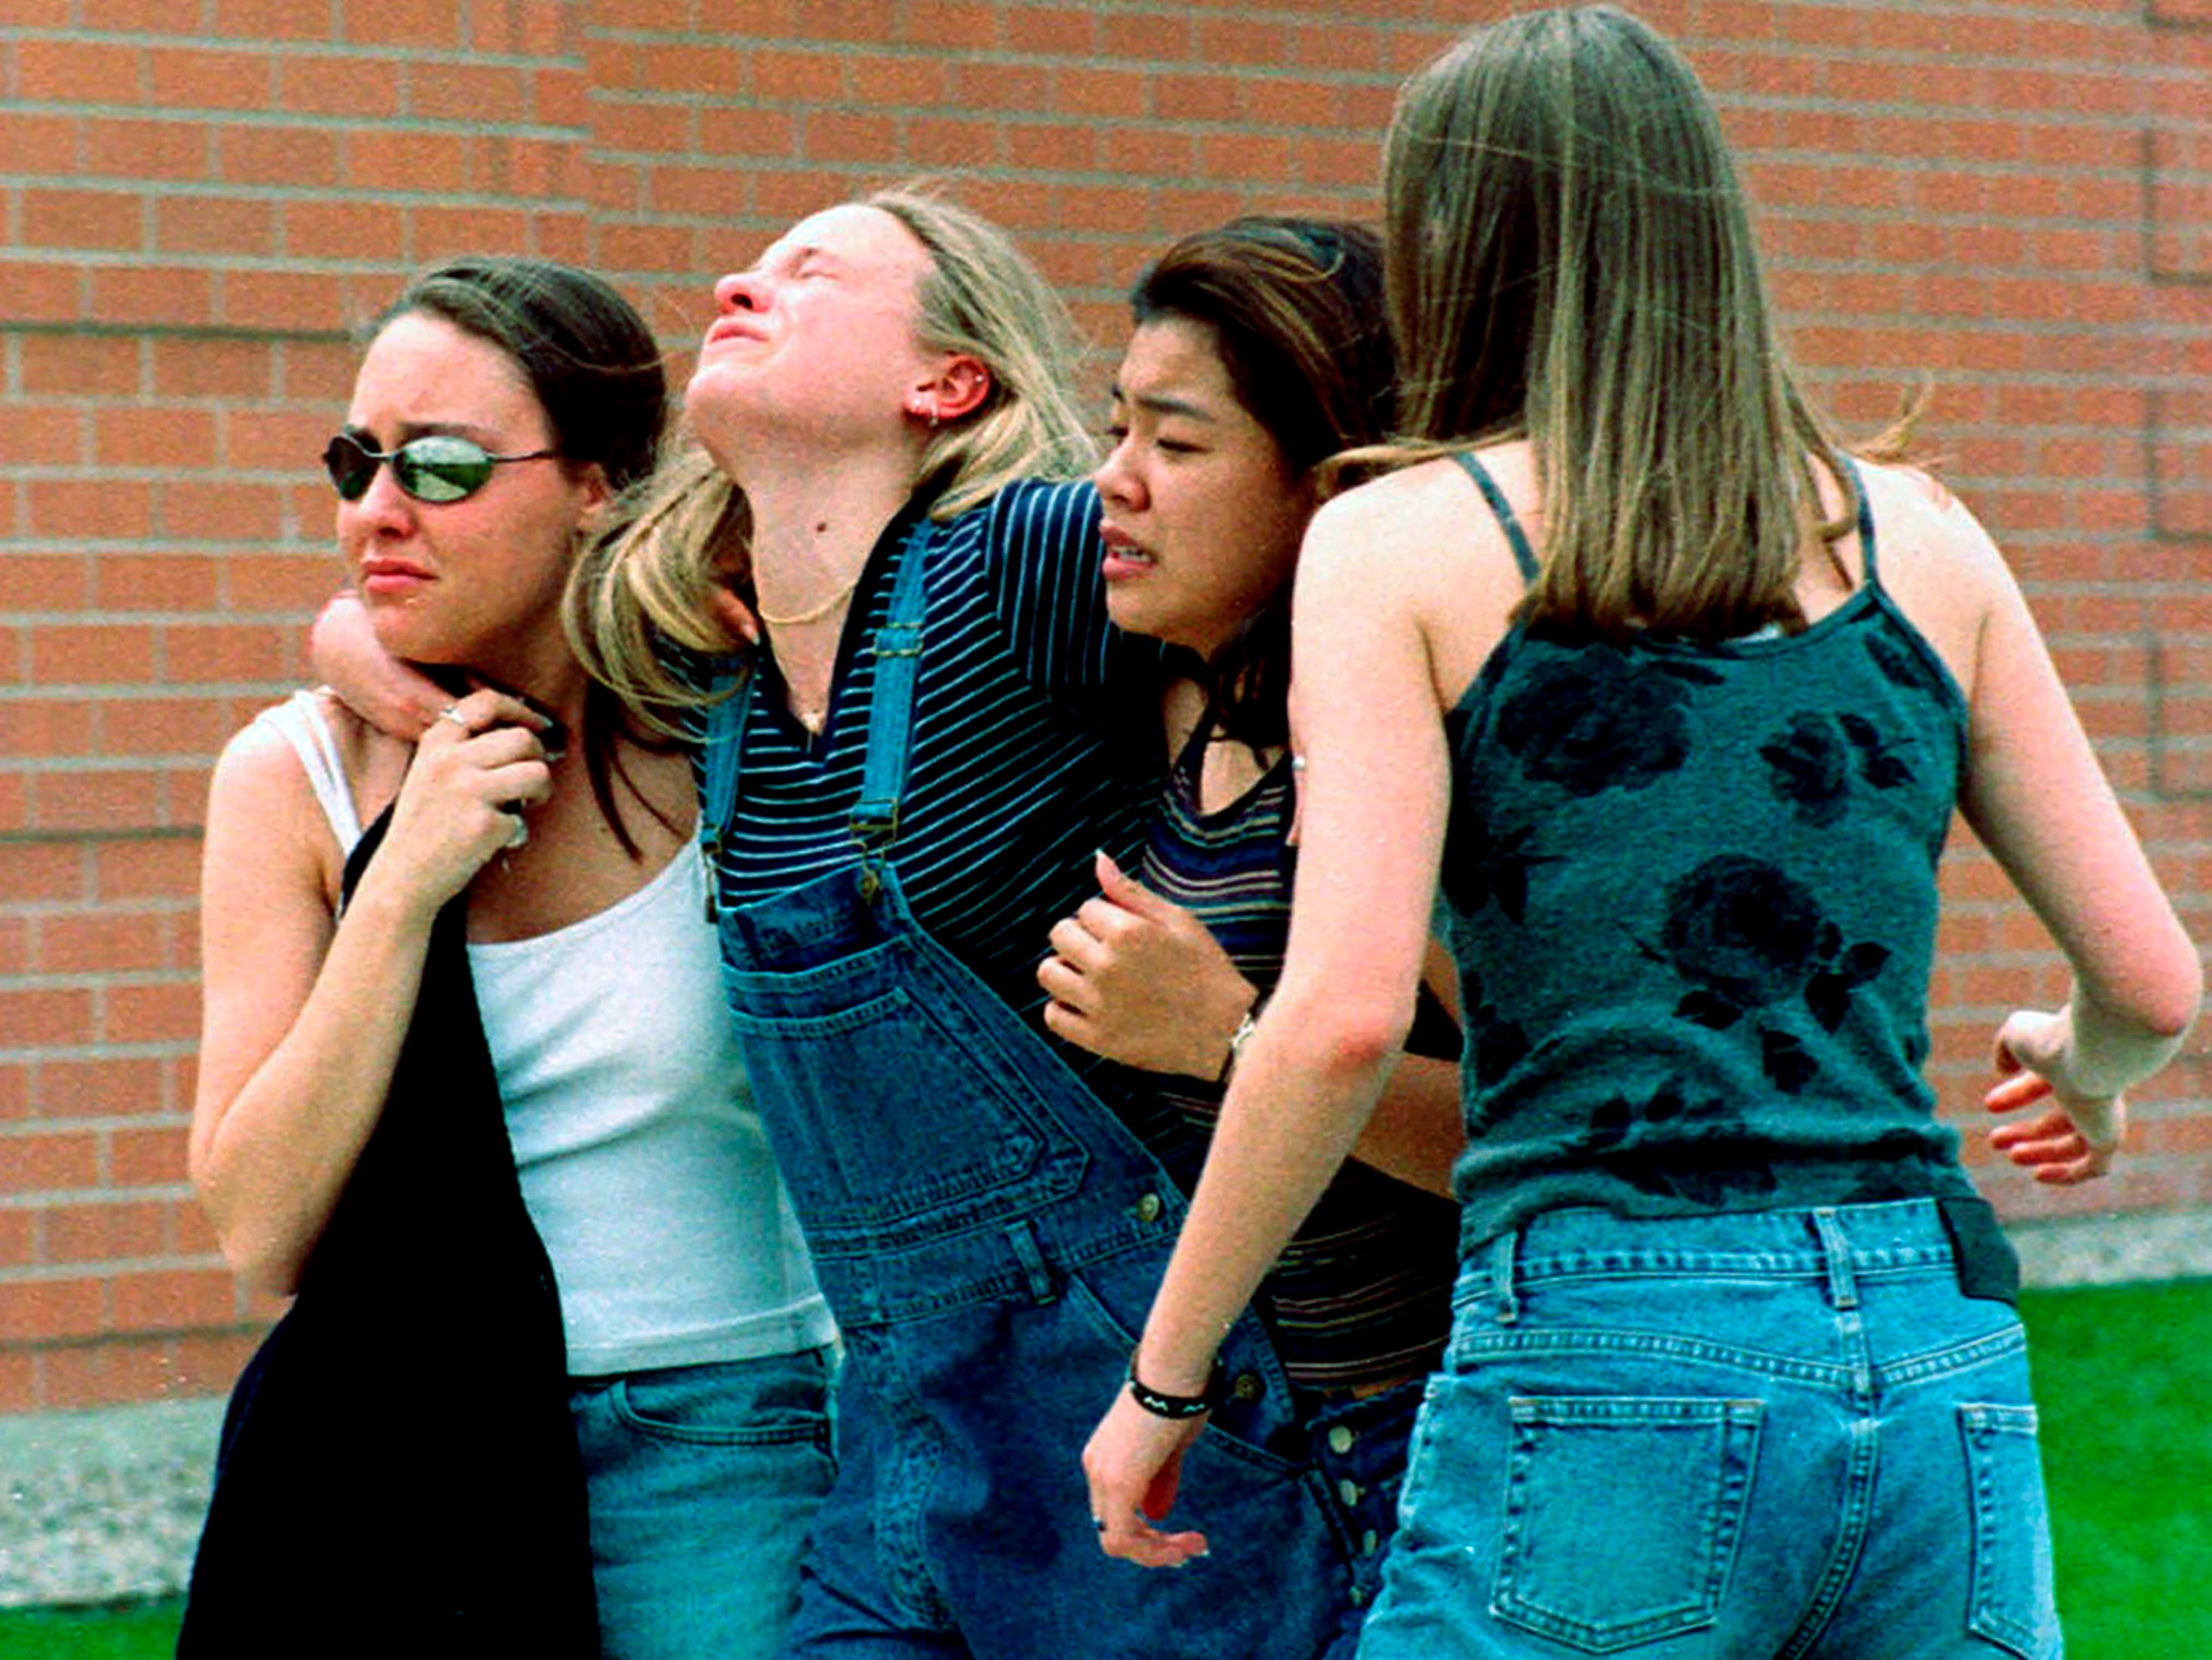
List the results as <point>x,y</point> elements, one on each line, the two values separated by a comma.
<point>910,1167</point>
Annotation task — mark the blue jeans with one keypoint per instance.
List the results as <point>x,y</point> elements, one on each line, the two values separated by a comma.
<point>704,1480</point>
<point>1778,1433</point>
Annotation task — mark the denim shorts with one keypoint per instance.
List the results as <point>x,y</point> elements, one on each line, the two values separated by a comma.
<point>704,1480</point>
<point>1779,1433</point>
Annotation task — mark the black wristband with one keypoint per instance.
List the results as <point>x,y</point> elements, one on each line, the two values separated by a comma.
<point>1162,1405</point>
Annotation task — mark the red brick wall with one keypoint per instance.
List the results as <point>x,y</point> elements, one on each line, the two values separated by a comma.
<point>200,200</point>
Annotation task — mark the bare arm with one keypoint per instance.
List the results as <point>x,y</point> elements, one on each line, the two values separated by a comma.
<point>303,1018</point>
<point>1376,797</point>
<point>395,697</point>
<point>2036,796</point>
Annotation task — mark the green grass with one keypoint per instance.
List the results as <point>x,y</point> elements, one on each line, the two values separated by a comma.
<point>2124,1376</point>
<point>141,1631</point>
<point>2123,1379</point>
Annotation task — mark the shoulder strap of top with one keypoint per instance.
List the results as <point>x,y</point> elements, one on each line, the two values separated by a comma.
<point>1521,554</point>
<point>300,718</point>
<point>1865,516</point>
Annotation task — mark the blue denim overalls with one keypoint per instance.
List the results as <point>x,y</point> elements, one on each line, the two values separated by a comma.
<point>990,1237</point>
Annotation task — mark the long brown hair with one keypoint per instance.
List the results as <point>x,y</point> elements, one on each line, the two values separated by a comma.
<point>1570,260</point>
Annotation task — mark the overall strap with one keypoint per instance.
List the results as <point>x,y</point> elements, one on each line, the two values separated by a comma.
<point>1865,517</point>
<point>722,751</point>
<point>875,818</point>
<point>1521,554</point>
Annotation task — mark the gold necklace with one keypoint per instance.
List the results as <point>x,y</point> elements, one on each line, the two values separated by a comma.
<point>814,615</point>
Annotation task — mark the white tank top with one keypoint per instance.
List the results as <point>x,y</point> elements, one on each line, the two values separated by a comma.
<point>643,1164</point>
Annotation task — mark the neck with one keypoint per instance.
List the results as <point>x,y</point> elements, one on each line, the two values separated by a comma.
<point>814,527</point>
<point>555,685</point>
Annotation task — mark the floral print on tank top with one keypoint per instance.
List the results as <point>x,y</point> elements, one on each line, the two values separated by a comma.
<point>1692,899</point>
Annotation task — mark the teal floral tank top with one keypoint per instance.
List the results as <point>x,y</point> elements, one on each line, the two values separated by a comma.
<point>1692,892</point>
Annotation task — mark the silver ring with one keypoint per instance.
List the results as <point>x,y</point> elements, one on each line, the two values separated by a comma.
<point>520,834</point>
<point>452,712</point>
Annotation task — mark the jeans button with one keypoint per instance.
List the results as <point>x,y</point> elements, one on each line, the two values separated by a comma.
<point>1348,1490</point>
<point>1246,1387</point>
<point>1148,1208</point>
<point>1340,1439</point>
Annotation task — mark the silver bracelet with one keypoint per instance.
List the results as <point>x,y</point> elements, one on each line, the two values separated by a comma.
<point>1237,1039</point>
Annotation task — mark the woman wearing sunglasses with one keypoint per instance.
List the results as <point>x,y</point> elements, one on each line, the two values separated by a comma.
<point>465,1083</point>
<point>989,1210</point>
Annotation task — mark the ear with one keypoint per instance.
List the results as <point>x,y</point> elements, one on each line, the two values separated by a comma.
<point>596,497</point>
<point>958,386</point>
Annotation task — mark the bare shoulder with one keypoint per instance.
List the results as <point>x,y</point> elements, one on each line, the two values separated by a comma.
<point>263,812</point>
<point>1925,534</point>
<point>1941,567</point>
<point>1426,494</point>
<point>1424,521</point>
<point>1422,547</point>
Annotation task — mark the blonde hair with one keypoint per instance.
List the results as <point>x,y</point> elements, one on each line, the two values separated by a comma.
<point>982,296</point>
<point>650,579</point>
<point>1570,260</point>
<point>685,532</point>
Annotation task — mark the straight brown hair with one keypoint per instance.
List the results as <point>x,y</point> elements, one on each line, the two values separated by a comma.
<point>1571,261</point>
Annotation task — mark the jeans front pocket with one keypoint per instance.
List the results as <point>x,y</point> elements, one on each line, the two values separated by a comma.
<point>1622,1514</point>
<point>2011,1602</point>
<point>780,1400</point>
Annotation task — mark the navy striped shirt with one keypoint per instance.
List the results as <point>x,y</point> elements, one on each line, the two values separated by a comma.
<point>1362,1295</point>
<point>1035,743</point>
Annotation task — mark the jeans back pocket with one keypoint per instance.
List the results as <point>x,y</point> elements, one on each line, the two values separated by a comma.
<point>1622,1514</point>
<point>2012,1603</point>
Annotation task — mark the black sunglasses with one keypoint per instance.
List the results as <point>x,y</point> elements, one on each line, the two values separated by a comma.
<point>438,467</point>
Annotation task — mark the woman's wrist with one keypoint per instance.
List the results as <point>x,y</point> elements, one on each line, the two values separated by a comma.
<point>2105,1055</point>
<point>1166,1403</point>
<point>1246,1023</point>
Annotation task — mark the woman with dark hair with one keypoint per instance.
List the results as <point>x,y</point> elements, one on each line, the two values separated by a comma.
<point>466,1087</point>
<point>1259,351</point>
<point>1680,698</point>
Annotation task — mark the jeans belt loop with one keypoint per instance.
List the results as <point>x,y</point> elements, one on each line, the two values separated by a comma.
<point>1501,1277</point>
<point>1022,1238</point>
<point>1843,1290</point>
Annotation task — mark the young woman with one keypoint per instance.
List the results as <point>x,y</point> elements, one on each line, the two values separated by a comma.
<point>491,1020</point>
<point>904,789</point>
<point>1680,700</point>
<point>1259,351</point>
